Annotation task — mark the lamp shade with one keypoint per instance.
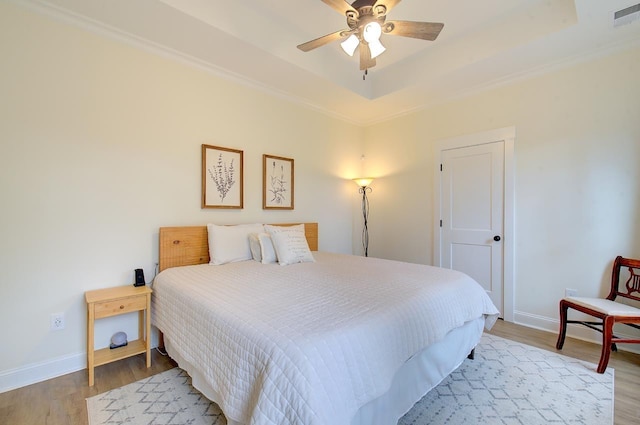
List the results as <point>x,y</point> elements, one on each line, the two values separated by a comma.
<point>363,181</point>
<point>372,32</point>
<point>376,48</point>
<point>350,44</point>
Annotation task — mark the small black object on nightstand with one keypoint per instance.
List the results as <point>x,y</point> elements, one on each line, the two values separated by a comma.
<point>139,277</point>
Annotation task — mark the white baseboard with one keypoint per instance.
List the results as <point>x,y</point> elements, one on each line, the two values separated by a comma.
<point>573,330</point>
<point>48,369</point>
<point>38,372</point>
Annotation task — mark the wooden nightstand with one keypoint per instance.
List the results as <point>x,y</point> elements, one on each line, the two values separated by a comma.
<point>111,302</point>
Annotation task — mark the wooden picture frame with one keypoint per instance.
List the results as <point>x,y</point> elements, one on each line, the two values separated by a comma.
<point>277,183</point>
<point>222,177</point>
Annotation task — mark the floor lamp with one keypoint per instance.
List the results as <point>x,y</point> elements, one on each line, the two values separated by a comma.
<point>364,183</point>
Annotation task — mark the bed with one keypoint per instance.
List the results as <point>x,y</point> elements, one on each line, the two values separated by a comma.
<point>336,340</point>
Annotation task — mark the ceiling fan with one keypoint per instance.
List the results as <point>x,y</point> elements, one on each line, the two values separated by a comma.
<point>367,22</point>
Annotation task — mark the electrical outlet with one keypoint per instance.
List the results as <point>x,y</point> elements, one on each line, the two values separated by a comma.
<point>570,292</point>
<point>57,321</point>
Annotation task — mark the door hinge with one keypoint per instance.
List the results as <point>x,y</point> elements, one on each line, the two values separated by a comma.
<point>440,223</point>
<point>440,167</point>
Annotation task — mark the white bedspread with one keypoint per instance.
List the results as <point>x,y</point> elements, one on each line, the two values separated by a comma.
<point>309,343</point>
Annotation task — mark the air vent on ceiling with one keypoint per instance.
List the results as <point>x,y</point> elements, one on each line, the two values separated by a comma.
<point>626,15</point>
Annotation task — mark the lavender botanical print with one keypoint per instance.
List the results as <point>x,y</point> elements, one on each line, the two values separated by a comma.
<point>278,177</point>
<point>222,177</point>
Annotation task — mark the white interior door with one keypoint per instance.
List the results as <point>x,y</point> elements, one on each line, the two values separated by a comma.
<point>472,214</point>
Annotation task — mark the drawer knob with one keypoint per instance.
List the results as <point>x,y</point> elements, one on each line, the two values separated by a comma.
<point>121,307</point>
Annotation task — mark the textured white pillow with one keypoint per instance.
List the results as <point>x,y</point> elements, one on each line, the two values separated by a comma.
<point>254,245</point>
<point>262,249</point>
<point>290,244</point>
<point>228,244</point>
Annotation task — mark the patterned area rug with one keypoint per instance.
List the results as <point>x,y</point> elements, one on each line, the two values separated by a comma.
<point>507,383</point>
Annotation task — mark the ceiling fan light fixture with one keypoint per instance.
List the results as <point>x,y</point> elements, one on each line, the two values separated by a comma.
<point>376,48</point>
<point>350,44</point>
<point>366,21</point>
<point>372,32</point>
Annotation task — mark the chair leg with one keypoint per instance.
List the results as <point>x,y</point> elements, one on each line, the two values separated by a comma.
<point>607,334</point>
<point>563,324</point>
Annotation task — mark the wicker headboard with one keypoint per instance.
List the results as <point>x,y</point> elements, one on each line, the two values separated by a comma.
<point>185,246</point>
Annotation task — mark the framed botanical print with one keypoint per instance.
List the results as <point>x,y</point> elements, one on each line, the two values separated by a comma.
<point>222,177</point>
<point>277,183</point>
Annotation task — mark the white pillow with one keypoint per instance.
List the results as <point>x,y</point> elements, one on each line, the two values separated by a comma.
<point>290,244</point>
<point>228,244</point>
<point>262,249</point>
<point>267,250</point>
<point>254,245</point>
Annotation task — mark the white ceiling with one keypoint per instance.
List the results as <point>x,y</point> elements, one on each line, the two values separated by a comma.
<point>483,44</point>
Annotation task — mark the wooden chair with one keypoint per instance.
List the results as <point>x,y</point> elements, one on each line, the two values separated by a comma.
<point>608,310</point>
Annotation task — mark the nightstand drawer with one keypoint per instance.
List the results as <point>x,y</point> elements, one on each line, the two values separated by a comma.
<point>123,305</point>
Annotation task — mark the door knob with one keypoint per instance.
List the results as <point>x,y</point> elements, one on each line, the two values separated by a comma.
<point>496,238</point>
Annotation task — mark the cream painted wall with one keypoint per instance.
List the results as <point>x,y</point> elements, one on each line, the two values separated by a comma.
<point>577,154</point>
<point>100,147</point>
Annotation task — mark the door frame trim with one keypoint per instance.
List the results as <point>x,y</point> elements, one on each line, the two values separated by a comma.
<point>508,135</point>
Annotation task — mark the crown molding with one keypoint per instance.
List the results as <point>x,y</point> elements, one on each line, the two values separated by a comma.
<point>71,18</point>
<point>559,65</point>
<point>93,26</point>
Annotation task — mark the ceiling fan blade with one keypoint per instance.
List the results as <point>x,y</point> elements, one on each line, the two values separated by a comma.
<point>421,30</point>
<point>321,41</point>
<point>341,6</point>
<point>366,61</point>
<point>388,4</point>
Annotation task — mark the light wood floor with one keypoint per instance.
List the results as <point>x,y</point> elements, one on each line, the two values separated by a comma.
<point>61,401</point>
